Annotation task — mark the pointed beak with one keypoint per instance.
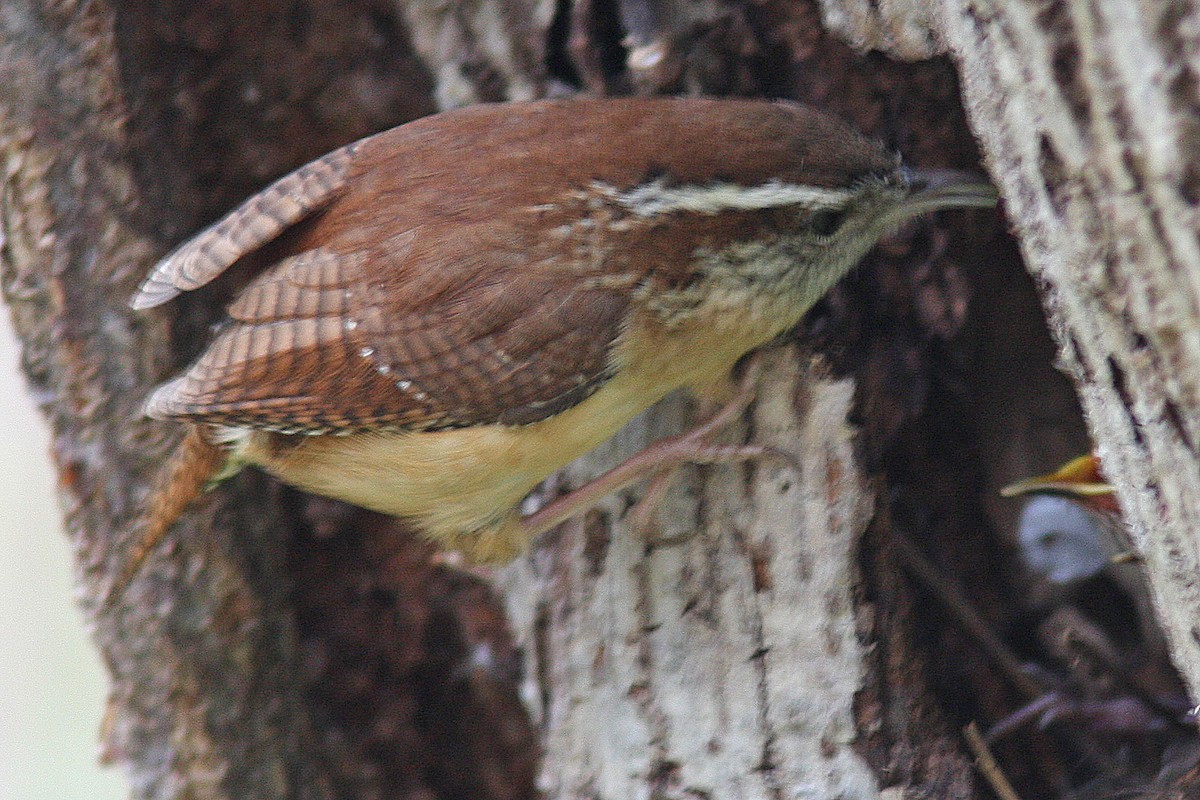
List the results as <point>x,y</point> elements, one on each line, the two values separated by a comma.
<point>1080,477</point>
<point>934,189</point>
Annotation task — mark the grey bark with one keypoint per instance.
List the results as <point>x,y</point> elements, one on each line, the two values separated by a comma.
<point>727,666</point>
<point>723,667</point>
<point>1087,113</point>
<point>752,618</point>
<point>198,709</point>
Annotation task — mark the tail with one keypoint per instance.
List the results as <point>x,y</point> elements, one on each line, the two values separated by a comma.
<point>187,474</point>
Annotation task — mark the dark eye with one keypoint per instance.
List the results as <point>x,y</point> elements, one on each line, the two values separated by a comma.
<point>826,221</point>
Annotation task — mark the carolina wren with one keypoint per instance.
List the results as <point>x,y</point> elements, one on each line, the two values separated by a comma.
<point>457,307</point>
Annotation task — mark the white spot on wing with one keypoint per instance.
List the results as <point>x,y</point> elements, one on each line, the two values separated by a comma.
<point>231,436</point>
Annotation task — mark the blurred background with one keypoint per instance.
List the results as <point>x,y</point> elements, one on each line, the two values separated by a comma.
<point>52,684</point>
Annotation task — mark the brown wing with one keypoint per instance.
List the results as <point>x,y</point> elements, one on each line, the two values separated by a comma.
<point>251,225</point>
<point>316,345</point>
<point>448,272</point>
<point>511,347</point>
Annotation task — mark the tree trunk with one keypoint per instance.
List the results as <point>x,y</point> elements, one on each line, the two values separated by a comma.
<point>286,646</point>
<point>1095,149</point>
<point>189,700</point>
<point>247,660</point>
<point>690,671</point>
<point>1087,112</point>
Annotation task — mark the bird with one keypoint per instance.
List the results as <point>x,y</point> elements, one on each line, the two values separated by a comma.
<point>1081,477</point>
<point>1071,527</point>
<point>453,309</point>
<point>1065,541</point>
<point>1122,680</point>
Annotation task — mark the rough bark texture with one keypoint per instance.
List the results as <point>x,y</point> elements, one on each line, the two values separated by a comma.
<point>190,700</point>
<point>311,653</point>
<point>482,51</point>
<point>1095,149</point>
<point>286,646</point>
<point>1088,112</point>
<point>689,671</point>
<point>692,672</point>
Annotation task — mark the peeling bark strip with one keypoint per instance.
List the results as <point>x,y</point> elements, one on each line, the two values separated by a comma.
<point>1088,112</point>
<point>725,667</point>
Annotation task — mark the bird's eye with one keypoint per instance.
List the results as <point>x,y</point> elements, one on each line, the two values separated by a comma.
<point>1051,539</point>
<point>826,221</point>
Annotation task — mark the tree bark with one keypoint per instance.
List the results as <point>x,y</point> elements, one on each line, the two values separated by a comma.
<point>687,670</point>
<point>1087,112</point>
<point>1096,151</point>
<point>189,700</point>
<point>285,646</point>
<point>247,660</point>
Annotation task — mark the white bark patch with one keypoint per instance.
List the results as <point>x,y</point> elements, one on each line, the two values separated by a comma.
<point>906,29</point>
<point>725,667</point>
<point>1093,148</point>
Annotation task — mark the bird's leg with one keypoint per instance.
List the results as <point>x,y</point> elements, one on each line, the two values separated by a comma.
<point>662,457</point>
<point>641,517</point>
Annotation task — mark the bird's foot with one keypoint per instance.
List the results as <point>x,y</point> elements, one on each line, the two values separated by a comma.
<point>661,460</point>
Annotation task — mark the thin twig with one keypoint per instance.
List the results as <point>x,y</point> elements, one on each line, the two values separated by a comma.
<point>963,610</point>
<point>985,762</point>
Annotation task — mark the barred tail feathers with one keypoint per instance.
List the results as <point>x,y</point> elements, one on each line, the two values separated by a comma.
<point>185,477</point>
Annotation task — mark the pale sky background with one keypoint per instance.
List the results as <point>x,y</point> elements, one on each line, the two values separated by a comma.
<point>51,682</point>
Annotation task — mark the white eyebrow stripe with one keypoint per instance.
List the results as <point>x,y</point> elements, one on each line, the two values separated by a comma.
<point>657,198</point>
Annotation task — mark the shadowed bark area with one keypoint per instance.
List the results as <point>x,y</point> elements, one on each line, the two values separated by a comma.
<point>276,646</point>
<point>280,645</point>
<point>1097,148</point>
